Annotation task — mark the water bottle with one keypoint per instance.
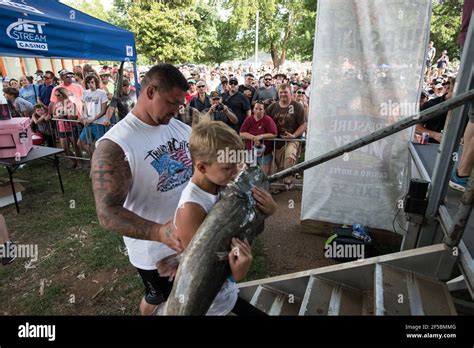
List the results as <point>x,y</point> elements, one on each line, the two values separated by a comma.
<point>359,231</point>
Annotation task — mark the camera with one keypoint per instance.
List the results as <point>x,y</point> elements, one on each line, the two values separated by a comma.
<point>220,107</point>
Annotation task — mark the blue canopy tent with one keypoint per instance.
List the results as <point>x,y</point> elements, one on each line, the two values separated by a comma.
<point>50,29</point>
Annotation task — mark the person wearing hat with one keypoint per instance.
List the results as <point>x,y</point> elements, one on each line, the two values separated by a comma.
<point>124,103</point>
<point>237,102</point>
<point>105,82</point>
<point>75,91</point>
<point>435,126</point>
<point>220,112</point>
<point>247,89</point>
<point>192,92</point>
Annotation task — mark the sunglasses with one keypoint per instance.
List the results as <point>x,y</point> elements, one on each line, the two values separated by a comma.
<point>268,79</point>
<point>201,86</point>
<point>233,83</point>
<point>299,92</point>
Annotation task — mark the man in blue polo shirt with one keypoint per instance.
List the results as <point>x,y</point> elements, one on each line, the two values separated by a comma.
<point>46,88</point>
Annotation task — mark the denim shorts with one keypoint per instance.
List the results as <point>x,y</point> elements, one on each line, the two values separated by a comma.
<point>97,131</point>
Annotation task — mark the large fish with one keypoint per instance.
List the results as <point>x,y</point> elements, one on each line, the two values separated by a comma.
<point>203,269</point>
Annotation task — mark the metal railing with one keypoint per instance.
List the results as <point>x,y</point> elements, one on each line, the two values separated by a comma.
<point>69,140</point>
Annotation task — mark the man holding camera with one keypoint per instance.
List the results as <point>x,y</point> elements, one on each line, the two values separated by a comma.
<point>219,111</point>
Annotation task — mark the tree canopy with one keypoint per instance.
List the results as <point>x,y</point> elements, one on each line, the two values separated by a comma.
<point>213,31</point>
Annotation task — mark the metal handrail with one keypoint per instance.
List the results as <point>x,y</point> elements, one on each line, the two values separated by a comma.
<point>408,122</point>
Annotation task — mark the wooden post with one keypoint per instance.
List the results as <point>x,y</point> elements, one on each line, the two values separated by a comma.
<point>22,66</point>
<point>38,64</point>
<point>3,68</point>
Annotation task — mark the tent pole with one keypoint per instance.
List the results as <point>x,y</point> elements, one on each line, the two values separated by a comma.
<point>137,84</point>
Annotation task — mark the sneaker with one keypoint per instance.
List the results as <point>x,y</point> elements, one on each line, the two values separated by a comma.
<point>456,182</point>
<point>9,250</point>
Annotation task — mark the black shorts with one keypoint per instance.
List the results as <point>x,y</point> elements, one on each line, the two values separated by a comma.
<point>157,289</point>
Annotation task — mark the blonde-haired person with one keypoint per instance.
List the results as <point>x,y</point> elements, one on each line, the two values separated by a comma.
<point>211,173</point>
<point>64,108</point>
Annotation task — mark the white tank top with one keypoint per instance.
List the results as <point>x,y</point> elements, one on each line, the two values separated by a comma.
<point>227,296</point>
<point>161,167</point>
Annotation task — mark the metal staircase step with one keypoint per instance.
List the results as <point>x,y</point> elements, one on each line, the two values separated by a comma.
<point>324,297</point>
<point>401,292</point>
<point>391,292</point>
<point>317,297</point>
<point>274,302</point>
<point>435,296</point>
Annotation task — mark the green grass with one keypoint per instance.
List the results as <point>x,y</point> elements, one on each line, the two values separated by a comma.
<point>70,242</point>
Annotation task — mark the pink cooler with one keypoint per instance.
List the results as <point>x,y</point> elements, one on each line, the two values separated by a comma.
<point>15,137</point>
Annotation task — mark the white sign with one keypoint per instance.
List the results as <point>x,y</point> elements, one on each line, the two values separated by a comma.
<point>367,72</point>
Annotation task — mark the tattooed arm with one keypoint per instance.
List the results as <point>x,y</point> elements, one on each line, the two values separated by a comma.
<point>111,181</point>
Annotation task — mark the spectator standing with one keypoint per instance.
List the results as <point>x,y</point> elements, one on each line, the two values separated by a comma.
<point>247,88</point>
<point>220,112</point>
<point>268,93</point>
<point>21,107</point>
<point>289,118</point>
<point>443,63</point>
<point>191,92</point>
<point>255,130</point>
<point>29,91</point>
<point>201,101</point>
<point>46,89</point>
<point>237,102</point>
<point>93,116</point>
<point>124,103</point>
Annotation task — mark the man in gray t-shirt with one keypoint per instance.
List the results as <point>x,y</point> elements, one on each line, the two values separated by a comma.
<point>267,94</point>
<point>23,107</point>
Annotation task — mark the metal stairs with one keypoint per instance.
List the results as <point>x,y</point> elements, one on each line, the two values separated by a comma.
<point>378,286</point>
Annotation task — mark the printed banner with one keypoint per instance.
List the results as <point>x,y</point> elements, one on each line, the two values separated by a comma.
<point>367,73</point>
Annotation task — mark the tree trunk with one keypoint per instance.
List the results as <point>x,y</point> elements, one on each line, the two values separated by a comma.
<point>274,54</point>
<point>286,38</point>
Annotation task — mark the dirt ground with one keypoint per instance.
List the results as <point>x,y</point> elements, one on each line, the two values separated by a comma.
<point>287,249</point>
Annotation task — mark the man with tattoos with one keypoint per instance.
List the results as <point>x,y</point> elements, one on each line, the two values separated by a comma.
<point>138,171</point>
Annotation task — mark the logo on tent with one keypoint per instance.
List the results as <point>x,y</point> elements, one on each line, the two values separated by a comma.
<point>28,34</point>
<point>20,6</point>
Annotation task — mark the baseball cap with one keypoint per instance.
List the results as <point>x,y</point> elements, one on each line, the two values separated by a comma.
<point>64,72</point>
<point>249,74</point>
<point>125,82</point>
<point>192,81</point>
<point>233,79</point>
<point>215,95</point>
